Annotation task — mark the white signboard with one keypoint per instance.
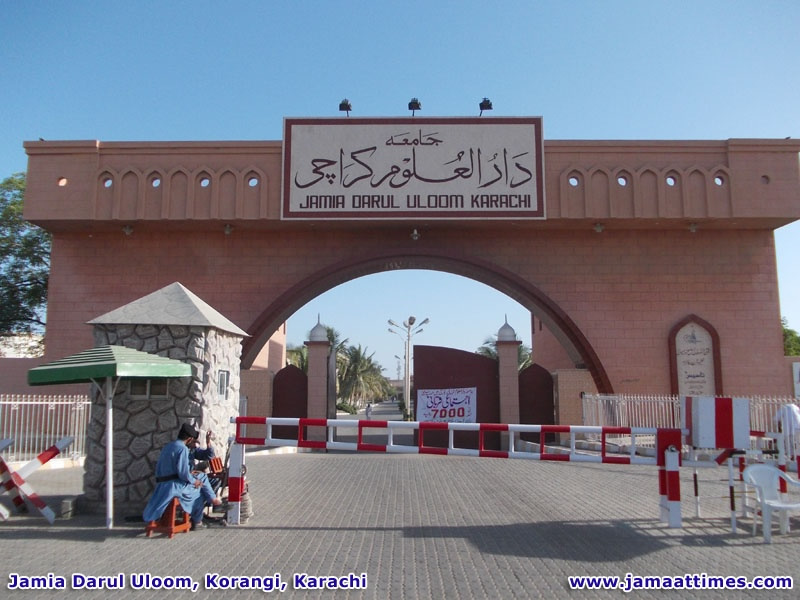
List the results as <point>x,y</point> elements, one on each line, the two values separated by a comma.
<point>413,168</point>
<point>455,405</point>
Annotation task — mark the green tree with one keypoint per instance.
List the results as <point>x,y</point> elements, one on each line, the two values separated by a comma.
<point>361,379</point>
<point>24,263</point>
<point>298,356</point>
<point>489,350</point>
<point>791,340</point>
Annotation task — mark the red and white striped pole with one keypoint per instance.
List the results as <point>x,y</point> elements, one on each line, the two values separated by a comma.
<point>673,488</point>
<point>235,483</point>
<point>668,444</point>
<point>14,481</point>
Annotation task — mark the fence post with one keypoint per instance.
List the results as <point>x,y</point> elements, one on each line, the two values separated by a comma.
<point>668,444</point>
<point>235,483</point>
<point>672,460</point>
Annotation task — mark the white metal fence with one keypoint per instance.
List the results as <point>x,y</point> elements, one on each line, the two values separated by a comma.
<point>37,422</point>
<point>622,410</point>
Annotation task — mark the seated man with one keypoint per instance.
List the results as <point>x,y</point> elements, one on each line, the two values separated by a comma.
<point>199,460</point>
<point>198,457</point>
<point>175,479</point>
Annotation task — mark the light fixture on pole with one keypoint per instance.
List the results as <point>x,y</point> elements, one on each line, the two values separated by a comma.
<point>485,104</point>
<point>412,328</point>
<point>414,105</point>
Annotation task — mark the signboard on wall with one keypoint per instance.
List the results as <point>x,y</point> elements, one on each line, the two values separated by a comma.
<point>453,405</point>
<point>413,168</point>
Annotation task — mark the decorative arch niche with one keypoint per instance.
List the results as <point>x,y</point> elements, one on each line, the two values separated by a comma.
<point>694,358</point>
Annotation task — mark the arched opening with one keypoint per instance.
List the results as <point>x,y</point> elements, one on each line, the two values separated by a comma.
<point>451,311</point>
<point>528,295</point>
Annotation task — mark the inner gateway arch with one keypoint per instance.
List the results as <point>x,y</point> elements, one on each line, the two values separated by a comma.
<point>610,244</point>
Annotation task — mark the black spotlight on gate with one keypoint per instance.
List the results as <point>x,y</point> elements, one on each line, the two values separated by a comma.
<point>485,104</point>
<point>414,105</point>
<point>345,106</point>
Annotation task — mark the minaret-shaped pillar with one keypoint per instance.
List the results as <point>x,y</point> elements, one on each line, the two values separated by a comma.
<point>508,372</point>
<point>318,349</point>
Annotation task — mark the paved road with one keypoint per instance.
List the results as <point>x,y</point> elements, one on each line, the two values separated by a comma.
<point>419,527</point>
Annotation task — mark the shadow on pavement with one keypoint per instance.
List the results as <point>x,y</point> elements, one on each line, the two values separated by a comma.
<point>592,542</point>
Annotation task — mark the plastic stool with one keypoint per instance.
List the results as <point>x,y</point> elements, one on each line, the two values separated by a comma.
<point>167,524</point>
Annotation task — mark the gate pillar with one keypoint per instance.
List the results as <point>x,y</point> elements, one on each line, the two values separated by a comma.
<point>508,375</point>
<point>318,349</point>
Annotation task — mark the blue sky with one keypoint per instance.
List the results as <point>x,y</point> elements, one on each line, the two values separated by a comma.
<point>203,70</point>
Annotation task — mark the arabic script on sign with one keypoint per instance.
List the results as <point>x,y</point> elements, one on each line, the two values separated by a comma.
<point>351,170</point>
<point>452,405</point>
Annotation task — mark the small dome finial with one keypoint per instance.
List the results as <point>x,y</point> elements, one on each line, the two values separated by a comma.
<point>319,333</point>
<point>506,333</point>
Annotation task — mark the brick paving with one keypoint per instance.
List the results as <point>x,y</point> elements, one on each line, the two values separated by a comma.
<point>419,527</point>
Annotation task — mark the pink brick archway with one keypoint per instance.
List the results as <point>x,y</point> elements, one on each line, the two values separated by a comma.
<point>474,268</point>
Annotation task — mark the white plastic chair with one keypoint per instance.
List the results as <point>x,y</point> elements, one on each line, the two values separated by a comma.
<point>765,479</point>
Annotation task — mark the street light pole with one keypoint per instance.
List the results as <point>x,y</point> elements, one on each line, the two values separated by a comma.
<point>410,330</point>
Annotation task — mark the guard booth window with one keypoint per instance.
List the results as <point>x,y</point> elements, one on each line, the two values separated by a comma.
<point>146,389</point>
<point>222,382</point>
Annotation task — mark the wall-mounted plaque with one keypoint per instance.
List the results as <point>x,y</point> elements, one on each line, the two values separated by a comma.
<point>694,358</point>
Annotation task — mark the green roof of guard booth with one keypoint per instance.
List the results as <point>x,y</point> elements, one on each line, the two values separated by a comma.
<point>107,361</point>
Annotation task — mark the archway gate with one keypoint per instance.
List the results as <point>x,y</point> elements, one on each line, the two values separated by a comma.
<point>632,237</point>
<point>667,455</point>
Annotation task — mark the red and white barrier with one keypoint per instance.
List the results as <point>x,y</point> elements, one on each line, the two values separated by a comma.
<point>392,427</point>
<point>717,422</point>
<point>670,483</point>
<point>14,481</point>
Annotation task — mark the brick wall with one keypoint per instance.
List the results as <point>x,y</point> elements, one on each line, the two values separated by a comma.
<point>623,290</point>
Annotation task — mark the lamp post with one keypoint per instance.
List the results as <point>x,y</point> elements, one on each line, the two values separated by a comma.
<point>411,329</point>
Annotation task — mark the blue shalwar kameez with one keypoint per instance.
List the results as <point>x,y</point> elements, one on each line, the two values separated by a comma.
<point>178,482</point>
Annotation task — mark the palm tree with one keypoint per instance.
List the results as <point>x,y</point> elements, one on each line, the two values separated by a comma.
<point>297,356</point>
<point>361,379</point>
<point>335,338</point>
<point>358,378</point>
<point>489,350</point>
